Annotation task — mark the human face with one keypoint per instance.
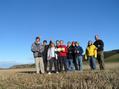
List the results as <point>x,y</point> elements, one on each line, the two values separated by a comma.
<point>90,43</point>
<point>44,43</point>
<point>57,43</point>
<point>52,45</point>
<point>61,42</point>
<point>77,44</point>
<point>69,44</point>
<point>37,40</point>
<point>96,37</point>
<point>73,44</point>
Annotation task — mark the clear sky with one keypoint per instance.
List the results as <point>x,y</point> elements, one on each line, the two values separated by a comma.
<point>22,20</point>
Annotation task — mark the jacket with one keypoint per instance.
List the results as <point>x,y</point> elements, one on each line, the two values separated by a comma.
<point>45,51</point>
<point>37,50</point>
<point>99,44</point>
<point>78,51</point>
<point>91,51</point>
<point>69,52</point>
<point>64,52</point>
<point>52,53</point>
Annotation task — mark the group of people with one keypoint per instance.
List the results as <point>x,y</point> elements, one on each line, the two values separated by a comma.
<point>57,57</point>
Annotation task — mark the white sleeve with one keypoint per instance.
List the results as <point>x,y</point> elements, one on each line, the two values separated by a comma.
<point>48,55</point>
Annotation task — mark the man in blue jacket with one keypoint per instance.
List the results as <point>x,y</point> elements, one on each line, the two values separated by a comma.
<point>37,50</point>
<point>79,56</point>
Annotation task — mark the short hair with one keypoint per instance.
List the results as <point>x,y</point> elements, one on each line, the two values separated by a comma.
<point>62,41</point>
<point>68,42</point>
<point>37,37</point>
<point>45,41</point>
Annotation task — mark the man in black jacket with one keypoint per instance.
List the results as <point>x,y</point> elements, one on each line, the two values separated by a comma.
<point>100,52</point>
<point>45,54</point>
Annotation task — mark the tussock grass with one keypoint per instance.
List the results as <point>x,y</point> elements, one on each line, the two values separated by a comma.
<point>107,79</point>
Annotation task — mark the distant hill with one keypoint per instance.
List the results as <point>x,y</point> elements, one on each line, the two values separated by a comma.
<point>111,53</point>
<point>23,66</point>
<point>110,56</point>
<point>113,58</point>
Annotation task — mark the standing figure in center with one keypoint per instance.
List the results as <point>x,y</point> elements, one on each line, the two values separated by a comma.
<point>70,64</point>
<point>62,56</point>
<point>52,58</point>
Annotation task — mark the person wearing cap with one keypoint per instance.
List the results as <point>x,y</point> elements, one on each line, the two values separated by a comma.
<point>37,50</point>
<point>45,54</point>
<point>70,64</point>
<point>79,56</point>
<point>100,52</point>
<point>91,54</point>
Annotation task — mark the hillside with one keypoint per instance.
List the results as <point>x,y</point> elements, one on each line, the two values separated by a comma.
<point>111,53</point>
<point>113,58</point>
<point>23,66</point>
<point>110,56</point>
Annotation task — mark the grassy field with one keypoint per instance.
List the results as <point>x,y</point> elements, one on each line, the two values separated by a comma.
<point>28,79</point>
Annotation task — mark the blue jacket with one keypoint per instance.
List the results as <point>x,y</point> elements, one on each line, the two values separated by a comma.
<point>79,51</point>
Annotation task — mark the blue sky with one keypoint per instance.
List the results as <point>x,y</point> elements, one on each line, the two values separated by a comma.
<point>22,20</point>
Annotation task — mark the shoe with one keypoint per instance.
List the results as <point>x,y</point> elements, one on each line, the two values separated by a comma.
<point>57,72</point>
<point>49,73</point>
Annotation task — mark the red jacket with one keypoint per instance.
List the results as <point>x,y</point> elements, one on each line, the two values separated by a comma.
<point>63,53</point>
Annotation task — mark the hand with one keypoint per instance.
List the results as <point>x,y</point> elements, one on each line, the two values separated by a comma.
<point>49,58</point>
<point>77,51</point>
<point>98,45</point>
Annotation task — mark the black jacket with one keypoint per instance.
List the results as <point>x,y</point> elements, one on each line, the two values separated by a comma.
<point>45,51</point>
<point>99,44</point>
<point>71,52</point>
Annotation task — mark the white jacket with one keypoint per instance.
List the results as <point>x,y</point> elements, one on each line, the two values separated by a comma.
<point>52,53</point>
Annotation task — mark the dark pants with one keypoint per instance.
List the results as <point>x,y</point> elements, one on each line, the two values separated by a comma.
<point>45,63</point>
<point>62,63</point>
<point>100,58</point>
<point>58,64</point>
<point>75,63</point>
<point>52,62</point>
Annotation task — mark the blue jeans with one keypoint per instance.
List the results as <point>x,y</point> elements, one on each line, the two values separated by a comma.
<point>79,62</point>
<point>92,62</point>
<point>70,65</point>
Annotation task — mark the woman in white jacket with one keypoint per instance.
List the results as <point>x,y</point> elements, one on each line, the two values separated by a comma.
<point>52,58</point>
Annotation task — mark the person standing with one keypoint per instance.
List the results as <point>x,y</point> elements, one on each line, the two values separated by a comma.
<point>100,52</point>
<point>74,55</point>
<point>58,62</point>
<point>79,56</point>
<point>62,56</point>
<point>52,58</point>
<point>70,64</point>
<point>45,54</point>
<point>37,50</point>
<point>91,55</point>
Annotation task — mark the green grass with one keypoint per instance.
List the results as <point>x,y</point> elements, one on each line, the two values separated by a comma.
<point>114,58</point>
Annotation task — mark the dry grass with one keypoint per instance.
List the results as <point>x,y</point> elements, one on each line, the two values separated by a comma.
<point>14,79</point>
